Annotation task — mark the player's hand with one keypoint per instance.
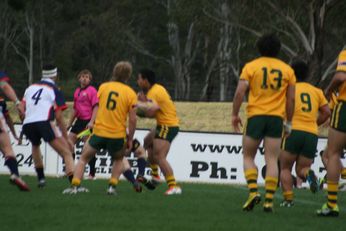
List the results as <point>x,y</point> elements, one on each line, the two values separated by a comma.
<point>236,123</point>
<point>141,96</point>
<point>287,128</point>
<point>90,125</point>
<point>129,145</point>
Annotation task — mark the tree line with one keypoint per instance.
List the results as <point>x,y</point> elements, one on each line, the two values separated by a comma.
<point>197,48</point>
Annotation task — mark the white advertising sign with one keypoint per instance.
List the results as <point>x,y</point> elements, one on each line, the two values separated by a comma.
<point>194,156</point>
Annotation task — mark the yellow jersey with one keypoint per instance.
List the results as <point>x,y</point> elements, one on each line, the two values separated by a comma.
<point>333,101</point>
<point>116,99</point>
<point>268,80</point>
<point>167,114</point>
<point>342,67</point>
<point>308,101</point>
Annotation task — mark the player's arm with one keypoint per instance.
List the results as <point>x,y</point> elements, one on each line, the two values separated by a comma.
<point>323,115</point>
<point>93,116</point>
<point>9,92</point>
<point>10,124</point>
<point>132,127</point>
<point>290,104</point>
<point>145,109</point>
<point>72,118</point>
<point>237,101</point>
<point>151,110</point>
<point>60,122</point>
<point>290,101</point>
<point>339,78</point>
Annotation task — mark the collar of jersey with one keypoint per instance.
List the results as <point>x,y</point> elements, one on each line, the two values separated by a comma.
<point>48,80</point>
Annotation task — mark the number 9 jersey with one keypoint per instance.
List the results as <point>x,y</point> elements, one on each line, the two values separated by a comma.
<point>41,100</point>
<point>116,99</point>
<point>268,80</point>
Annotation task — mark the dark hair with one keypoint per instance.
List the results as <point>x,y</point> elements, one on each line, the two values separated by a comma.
<point>269,45</point>
<point>48,67</point>
<point>148,74</point>
<point>301,70</point>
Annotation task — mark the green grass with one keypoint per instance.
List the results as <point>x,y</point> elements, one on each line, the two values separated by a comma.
<point>200,207</point>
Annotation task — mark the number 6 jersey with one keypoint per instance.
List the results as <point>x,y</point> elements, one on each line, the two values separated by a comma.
<point>41,100</point>
<point>116,99</point>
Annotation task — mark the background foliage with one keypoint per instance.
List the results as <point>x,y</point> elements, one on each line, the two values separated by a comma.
<point>197,48</point>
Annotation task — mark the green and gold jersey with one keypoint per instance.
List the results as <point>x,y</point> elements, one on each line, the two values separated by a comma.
<point>167,114</point>
<point>308,101</point>
<point>268,80</point>
<point>342,67</point>
<point>116,99</point>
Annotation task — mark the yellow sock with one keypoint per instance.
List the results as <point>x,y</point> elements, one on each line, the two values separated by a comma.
<point>171,181</point>
<point>332,188</point>
<point>343,173</point>
<point>251,179</point>
<point>154,170</point>
<point>75,182</point>
<point>288,195</point>
<point>113,181</point>
<point>270,187</point>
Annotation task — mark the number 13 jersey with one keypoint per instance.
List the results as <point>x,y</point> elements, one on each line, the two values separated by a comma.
<point>268,80</point>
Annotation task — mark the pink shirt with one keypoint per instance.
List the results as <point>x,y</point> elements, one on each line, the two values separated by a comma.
<point>84,101</point>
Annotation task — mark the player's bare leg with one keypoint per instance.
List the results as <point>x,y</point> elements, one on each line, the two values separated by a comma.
<point>271,155</point>
<point>250,147</point>
<point>286,163</point>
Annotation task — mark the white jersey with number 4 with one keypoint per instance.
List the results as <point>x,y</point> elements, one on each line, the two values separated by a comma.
<point>41,100</point>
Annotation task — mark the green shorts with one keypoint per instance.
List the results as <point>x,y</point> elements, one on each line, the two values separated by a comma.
<point>166,133</point>
<point>338,119</point>
<point>301,143</point>
<point>111,145</point>
<point>258,127</point>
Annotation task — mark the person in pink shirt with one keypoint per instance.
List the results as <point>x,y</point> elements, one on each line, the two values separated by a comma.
<point>84,111</point>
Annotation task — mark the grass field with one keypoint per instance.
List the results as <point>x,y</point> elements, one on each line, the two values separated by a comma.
<point>200,207</point>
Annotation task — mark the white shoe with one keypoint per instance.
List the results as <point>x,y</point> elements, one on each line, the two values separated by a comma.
<point>70,190</point>
<point>74,190</point>
<point>176,190</point>
<point>111,191</point>
<point>81,189</point>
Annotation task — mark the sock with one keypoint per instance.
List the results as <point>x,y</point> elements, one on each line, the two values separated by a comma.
<point>40,173</point>
<point>75,182</point>
<point>171,181</point>
<point>288,196</point>
<point>343,173</point>
<point>92,163</point>
<point>11,163</point>
<point>113,182</point>
<point>154,170</point>
<point>270,187</point>
<point>129,176</point>
<point>332,188</point>
<point>141,166</point>
<point>251,179</point>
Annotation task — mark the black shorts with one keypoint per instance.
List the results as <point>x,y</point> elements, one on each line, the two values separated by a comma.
<point>79,126</point>
<point>37,130</point>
